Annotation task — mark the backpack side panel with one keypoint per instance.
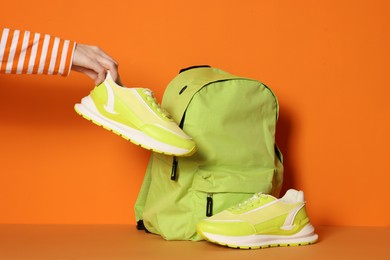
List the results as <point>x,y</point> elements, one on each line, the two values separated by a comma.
<point>143,193</point>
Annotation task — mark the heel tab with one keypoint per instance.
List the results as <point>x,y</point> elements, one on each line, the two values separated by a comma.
<point>294,196</point>
<point>108,76</point>
<point>110,81</point>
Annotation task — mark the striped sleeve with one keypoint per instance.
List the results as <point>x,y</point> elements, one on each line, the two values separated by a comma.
<point>23,52</point>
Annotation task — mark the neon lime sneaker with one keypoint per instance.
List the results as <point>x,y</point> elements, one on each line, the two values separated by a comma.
<point>134,114</point>
<point>261,221</point>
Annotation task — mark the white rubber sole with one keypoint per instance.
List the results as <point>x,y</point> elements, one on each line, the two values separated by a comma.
<point>304,237</point>
<point>87,109</point>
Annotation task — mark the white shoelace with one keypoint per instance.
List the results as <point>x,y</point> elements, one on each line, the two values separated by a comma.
<point>153,101</point>
<point>250,202</point>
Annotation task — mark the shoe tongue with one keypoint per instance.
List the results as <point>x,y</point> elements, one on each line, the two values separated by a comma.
<point>152,99</point>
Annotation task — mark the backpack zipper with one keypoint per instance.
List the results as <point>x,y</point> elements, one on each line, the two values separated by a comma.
<point>174,167</point>
<point>174,163</point>
<point>209,198</point>
<point>209,205</point>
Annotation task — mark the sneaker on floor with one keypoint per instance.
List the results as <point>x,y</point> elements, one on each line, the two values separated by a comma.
<point>134,114</point>
<point>261,221</point>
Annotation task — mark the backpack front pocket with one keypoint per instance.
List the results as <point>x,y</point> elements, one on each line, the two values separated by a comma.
<point>214,190</point>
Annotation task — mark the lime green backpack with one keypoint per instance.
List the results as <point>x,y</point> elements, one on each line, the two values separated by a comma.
<point>232,120</point>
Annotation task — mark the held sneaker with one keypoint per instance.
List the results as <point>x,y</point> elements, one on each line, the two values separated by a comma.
<point>134,114</point>
<point>261,221</point>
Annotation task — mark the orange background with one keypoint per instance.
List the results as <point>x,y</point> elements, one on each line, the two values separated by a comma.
<point>325,60</point>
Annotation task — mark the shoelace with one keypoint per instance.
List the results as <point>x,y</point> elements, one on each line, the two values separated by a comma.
<point>250,202</point>
<point>153,101</point>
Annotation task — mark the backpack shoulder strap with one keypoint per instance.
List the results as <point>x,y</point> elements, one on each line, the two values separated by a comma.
<point>184,86</point>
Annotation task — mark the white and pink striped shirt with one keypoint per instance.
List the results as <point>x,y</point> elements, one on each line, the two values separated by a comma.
<point>23,52</point>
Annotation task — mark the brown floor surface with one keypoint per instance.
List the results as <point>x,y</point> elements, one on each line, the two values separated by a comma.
<point>117,242</point>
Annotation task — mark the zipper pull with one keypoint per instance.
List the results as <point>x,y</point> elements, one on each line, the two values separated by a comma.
<point>209,205</point>
<point>174,163</point>
<point>174,166</point>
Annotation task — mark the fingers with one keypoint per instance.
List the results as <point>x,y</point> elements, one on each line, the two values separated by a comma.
<point>97,78</point>
<point>111,65</point>
<point>94,62</point>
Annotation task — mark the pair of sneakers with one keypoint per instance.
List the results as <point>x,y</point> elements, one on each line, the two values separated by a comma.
<point>261,221</point>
